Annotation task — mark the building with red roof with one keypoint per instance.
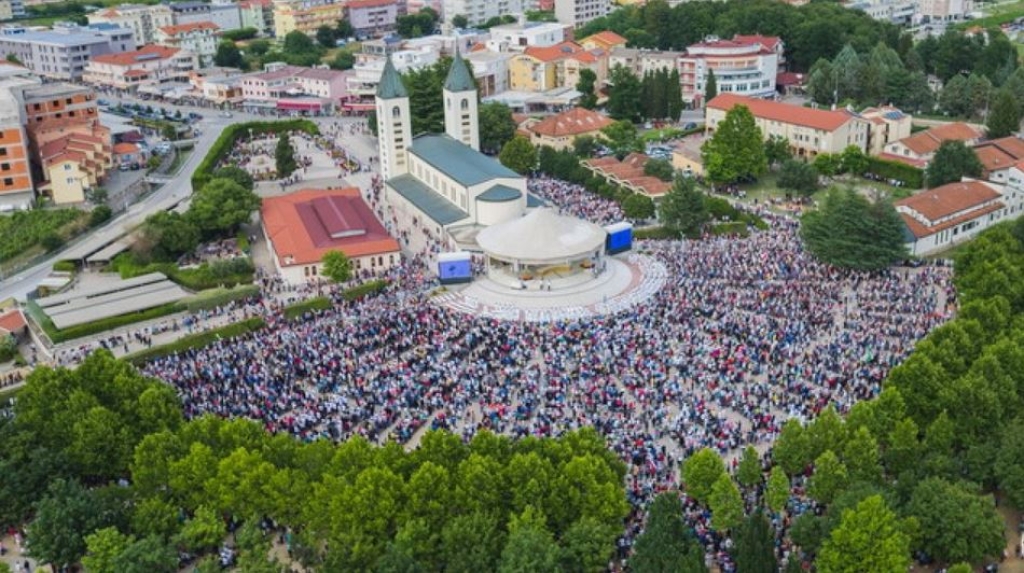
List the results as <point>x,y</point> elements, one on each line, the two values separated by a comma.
<point>999,156</point>
<point>809,131</point>
<point>936,219</point>
<point>303,226</point>
<point>543,68</point>
<point>197,37</point>
<point>744,65</point>
<point>559,131</point>
<point>919,148</point>
<point>12,322</point>
<point>151,64</point>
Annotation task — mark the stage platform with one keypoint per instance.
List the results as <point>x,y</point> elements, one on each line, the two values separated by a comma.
<point>627,281</point>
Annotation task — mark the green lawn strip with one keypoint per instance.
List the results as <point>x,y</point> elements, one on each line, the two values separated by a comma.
<point>197,340</point>
<point>293,311</point>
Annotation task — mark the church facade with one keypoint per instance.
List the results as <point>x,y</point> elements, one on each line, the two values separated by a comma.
<point>441,186</point>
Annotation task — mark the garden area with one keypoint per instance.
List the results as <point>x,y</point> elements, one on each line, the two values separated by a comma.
<point>29,234</point>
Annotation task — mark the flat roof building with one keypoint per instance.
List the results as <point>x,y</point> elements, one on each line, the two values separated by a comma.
<point>63,52</point>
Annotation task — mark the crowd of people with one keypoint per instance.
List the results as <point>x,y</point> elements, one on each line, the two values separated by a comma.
<point>745,334</point>
<point>572,199</point>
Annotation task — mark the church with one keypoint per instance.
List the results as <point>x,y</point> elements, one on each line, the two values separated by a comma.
<point>441,185</point>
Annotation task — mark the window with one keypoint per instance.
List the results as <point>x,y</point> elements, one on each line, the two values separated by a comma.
<point>7,167</point>
<point>8,181</point>
<point>395,111</point>
<point>465,104</point>
<point>68,101</point>
<point>3,150</point>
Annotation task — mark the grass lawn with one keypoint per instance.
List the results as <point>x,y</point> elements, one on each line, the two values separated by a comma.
<point>180,157</point>
<point>766,189</point>
<point>996,14</point>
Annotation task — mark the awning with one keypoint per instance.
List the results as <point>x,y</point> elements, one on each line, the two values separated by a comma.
<point>301,105</point>
<point>356,106</point>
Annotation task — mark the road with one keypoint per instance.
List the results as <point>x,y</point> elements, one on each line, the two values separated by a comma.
<point>176,189</point>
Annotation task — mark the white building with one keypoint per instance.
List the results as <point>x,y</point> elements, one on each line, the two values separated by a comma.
<point>894,11</point>
<point>370,65</point>
<point>480,11</point>
<point>516,37</point>
<point>199,37</point>
<point>744,65</point>
<point>442,184</point>
<point>641,61</point>
<point>149,65</point>
<point>943,10</point>
<point>144,20</point>
<point>939,218</point>
<point>576,13</point>
<point>490,70</point>
<point>225,15</point>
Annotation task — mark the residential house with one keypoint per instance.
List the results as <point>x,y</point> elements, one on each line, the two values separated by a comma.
<point>919,148</point>
<point>810,131</point>
<point>16,190</point>
<point>560,131</point>
<point>478,12</point>
<point>542,69</point>
<point>257,14</point>
<point>745,65</point>
<point>225,15</point>
<point>75,162</point>
<point>142,19</point>
<point>306,16</point>
<point>642,61</point>
<point>199,38</point>
<point>63,52</point>
<point>129,155</point>
<point>519,36</point>
<point>146,66</point>
<point>606,40</point>
<point>939,218</point>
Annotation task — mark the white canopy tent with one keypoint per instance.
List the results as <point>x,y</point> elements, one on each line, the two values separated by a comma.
<point>542,237</point>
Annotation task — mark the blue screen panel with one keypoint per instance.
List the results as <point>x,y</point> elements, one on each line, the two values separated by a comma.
<point>619,241</point>
<point>455,271</point>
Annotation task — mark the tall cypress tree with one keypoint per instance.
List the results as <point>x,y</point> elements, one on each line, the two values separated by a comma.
<point>710,86</point>
<point>754,550</point>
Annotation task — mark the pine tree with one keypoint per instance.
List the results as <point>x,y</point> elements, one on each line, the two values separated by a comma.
<point>1004,115</point>
<point>710,86</point>
<point>284,157</point>
<point>754,550</point>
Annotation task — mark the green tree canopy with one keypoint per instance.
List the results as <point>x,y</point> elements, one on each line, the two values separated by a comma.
<point>953,161</point>
<point>700,473</point>
<point>735,151</point>
<point>587,86</point>
<point>726,503</point>
<point>624,98</point>
<point>850,231</point>
<point>519,155</point>
<point>798,176</point>
<point>496,126</point>
<point>638,207</point>
<point>337,266</point>
<point>665,545</point>
<point>221,206</point>
<point>683,208</point>
<point>1004,116</point>
<point>622,138</point>
<point>754,548</point>
<point>975,533</point>
<point>228,56</point>
<point>869,538</point>
<point>284,156</point>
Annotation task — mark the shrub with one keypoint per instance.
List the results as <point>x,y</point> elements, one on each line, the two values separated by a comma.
<point>365,289</point>
<point>212,298</point>
<point>99,215</point>
<point>65,266</point>
<point>8,347</point>
<point>51,241</point>
<point>908,174</point>
<point>655,233</point>
<point>738,228</point>
<point>198,340</point>
<point>226,142</point>
<point>299,309</point>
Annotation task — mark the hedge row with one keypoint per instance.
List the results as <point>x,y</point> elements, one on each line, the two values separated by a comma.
<point>293,311</point>
<point>197,340</point>
<point>213,298</point>
<point>109,323</point>
<point>365,289</point>
<point>226,142</point>
<point>222,273</point>
<point>911,176</point>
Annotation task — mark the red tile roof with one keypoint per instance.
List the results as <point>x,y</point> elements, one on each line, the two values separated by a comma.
<point>921,231</point>
<point>790,79</point>
<point>949,200</point>
<point>555,52</point>
<point>606,38</point>
<point>571,122</point>
<point>125,148</point>
<point>769,42</point>
<point>143,54</point>
<point>824,120</point>
<point>183,28</point>
<point>304,225</point>
<point>928,141</point>
<point>369,3</point>
<point>12,321</point>
<point>1000,153</point>
<point>912,161</point>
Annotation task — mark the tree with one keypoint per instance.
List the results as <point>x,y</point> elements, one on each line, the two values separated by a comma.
<point>204,531</point>
<point>584,146</point>
<point>325,36</point>
<point>344,29</point>
<point>236,174</point>
<point>638,207</point>
<point>63,518</point>
<point>1004,117</point>
<point>519,155</point>
<point>624,98</point>
<point>701,472</point>
<point>471,543</point>
<point>754,549</point>
<point>683,208</point>
<point>343,60</point>
<point>726,503</point>
<point>792,450</point>
<point>953,161</point>
<point>799,177</point>
<point>829,479</point>
<point>167,235</point>
<point>710,86</point>
<point>588,546</point>
<point>586,86</point>
<point>777,150</point>
<point>148,555</point>
<point>337,266</point>
<point>749,471</point>
<point>828,164</point>
<point>221,206</point>
<point>296,42</point>
<point>954,98</point>
<point>660,168</point>
<point>621,137</point>
<point>860,454</point>
<point>284,156</point>
<point>777,492</point>
<point>869,538</point>
<point>853,160</point>
<point>460,21</point>
<point>496,126</point>
<point>974,533</point>
<point>228,55</point>
<point>1009,466</point>
<point>735,152</point>
<point>665,546</point>
<point>103,548</point>
<point>851,232</point>
<point>530,547</point>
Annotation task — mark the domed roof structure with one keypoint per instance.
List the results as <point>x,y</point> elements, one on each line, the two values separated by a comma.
<point>542,237</point>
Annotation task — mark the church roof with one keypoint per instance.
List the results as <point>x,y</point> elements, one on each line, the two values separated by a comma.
<point>499,194</point>
<point>462,163</point>
<point>459,77</point>
<point>391,85</point>
<point>425,199</point>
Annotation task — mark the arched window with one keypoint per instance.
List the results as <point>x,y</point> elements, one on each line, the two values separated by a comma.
<point>465,104</point>
<point>395,111</point>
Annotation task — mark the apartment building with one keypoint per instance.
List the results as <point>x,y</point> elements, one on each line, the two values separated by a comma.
<point>369,66</point>
<point>478,12</point>
<point>16,189</point>
<point>543,69</point>
<point>199,38</point>
<point>948,215</point>
<point>147,66</point>
<point>142,19</point>
<point>576,13</point>
<point>744,65</point>
<point>943,10</point>
<point>373,18</point>
<point>257,14</point>
<point>279,81</point>
<point>810,132</point>
<point>218,85</point>
<point>919,149</point>
<point>76,160</point>
<point>63,52</point>
<point>224,14</point>
<point>490,70</point>
<point>10,9</point>
<point>642,61</point>
<point>888,124</point>
<point>306,15</point>
<point>559,131</point>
